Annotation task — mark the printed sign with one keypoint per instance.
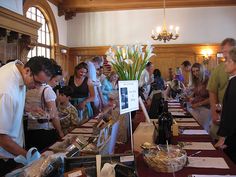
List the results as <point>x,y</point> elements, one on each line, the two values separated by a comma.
<point>128,96</point>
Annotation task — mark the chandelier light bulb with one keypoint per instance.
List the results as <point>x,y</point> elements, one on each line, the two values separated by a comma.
<point>204,52</point>
<point>171,28</point>
<point>153,33</point>
<point>177,29</point>
<point>158,29</point>
<point>209,52</point>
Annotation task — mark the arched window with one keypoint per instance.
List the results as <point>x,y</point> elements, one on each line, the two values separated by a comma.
<point>43,47</point>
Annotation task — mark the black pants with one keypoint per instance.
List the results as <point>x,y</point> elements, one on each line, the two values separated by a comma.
<point>231,153</point>
<point>41,139</point>
<point>231,147</point>
<point>7,166</point>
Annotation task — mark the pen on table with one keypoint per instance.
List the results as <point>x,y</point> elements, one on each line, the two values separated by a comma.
<point>198,152</point>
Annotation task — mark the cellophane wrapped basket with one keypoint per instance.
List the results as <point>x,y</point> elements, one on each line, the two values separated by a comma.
<point>167,161</point>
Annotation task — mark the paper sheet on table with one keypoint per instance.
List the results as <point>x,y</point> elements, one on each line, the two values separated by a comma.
<point>174,104</point>
<point>213,175</point>
<point>207,162</point>
<point>198,146</point>
<point>176,110</point>
<point>173,100</point>
<point>69,136</point>
<point>195,132</point>
<point>185,119</point>
<point>88,124</point>
<point>188,124</point>
<point>177,113</point>
<point>82,130</point>
<point>93,120</point>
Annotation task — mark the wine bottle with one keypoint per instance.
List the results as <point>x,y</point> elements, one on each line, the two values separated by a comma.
<point>165,122</point>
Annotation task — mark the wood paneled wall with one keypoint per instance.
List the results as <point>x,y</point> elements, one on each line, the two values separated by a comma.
<point>167,56</point>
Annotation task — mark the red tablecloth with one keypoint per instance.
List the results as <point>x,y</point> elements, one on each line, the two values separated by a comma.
<point>144,171</point>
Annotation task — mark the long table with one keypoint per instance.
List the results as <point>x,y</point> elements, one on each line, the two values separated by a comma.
<point>144,171</point>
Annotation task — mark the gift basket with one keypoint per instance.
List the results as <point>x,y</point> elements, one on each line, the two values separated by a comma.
<point>165,159</point>
<point>45,166</point>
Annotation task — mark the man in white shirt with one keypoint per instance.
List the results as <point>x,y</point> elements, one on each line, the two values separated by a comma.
<point>146,79</point>
<point>93,66</point>
<point>14,78</point>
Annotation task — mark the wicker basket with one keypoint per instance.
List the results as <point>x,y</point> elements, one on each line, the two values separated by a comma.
<point>161,161</point>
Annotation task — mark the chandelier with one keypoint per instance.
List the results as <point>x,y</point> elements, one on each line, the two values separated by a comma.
<point>161,33</point>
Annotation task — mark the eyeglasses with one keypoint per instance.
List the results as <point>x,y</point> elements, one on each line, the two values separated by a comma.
<point>195,70</point>
<point>37,82</point>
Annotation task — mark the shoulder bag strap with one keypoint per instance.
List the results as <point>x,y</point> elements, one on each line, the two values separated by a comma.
<point>43,101</point>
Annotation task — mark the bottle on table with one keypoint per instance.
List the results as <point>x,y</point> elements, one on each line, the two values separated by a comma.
<point>165,122</point>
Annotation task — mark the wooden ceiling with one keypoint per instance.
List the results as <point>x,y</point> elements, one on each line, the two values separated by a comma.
<point>70,7</point>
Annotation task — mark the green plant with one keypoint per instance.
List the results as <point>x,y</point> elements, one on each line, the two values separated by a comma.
<point>129,61</point>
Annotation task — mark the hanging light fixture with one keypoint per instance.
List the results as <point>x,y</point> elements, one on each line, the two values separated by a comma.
<point>161,33</point>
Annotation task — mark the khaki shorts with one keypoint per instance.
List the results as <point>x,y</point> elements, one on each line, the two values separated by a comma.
<point>213,131</point>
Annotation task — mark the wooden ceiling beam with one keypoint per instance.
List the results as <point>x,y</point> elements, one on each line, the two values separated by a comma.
<point>56,2</point>
<point>100,5</point>
<point>77,6</point>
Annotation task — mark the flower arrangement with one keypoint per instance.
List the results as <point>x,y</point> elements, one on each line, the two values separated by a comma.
<point>129,61</point>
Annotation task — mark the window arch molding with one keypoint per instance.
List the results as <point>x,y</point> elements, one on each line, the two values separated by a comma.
<point>45,8</point>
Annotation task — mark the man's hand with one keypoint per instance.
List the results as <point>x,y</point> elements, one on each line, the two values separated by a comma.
<point>220,144</point>
<point>215,117</point>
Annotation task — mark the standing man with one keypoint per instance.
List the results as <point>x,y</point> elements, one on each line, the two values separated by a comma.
<point>14,78</point>
<point>146,79</point>
<point>186,67</point>
<point>227,128</point>
<point>217,85</point>
<point>93,66</point>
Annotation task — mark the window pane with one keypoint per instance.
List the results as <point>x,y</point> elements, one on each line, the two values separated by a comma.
<point>33,10</point>
<point>30,9</point>
<point>28,14</point>
<point>48,53</point>
<point>33,52</point>
<point>43,37</point>
<point>39,13</point>
<point>29,54</point>
<point>33,17</point>
<point>43,21</point>
<point>39,19</point>
<point>39,51</point>
<point>47,39</point>
<point>47,30</point>
<point>39,36</point>
<point>44,51</point>
<point>43,26</point>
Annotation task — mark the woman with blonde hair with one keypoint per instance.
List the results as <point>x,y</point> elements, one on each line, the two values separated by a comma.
<point>200,97</point>
<point>109,85</point>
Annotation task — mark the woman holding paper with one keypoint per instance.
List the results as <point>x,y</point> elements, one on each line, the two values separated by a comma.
<point>227,129</point>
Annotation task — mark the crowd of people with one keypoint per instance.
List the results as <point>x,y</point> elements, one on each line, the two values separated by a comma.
<point>209,94</point>
<point>50,111</point>
<point>38,107</point>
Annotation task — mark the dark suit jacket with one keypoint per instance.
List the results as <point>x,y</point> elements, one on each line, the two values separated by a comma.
<point>228,117</point>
